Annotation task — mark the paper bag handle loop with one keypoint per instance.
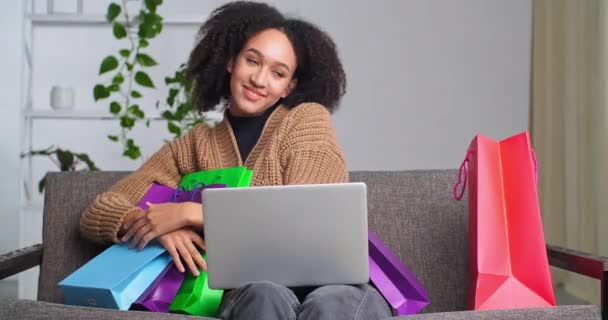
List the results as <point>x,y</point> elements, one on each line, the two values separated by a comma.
<point>463,171</point>
<point>463,168</point>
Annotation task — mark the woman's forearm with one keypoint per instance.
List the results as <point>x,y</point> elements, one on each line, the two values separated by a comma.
<point>194,214</point>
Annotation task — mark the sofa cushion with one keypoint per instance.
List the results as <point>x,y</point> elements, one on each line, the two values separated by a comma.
<point>588,312</point>
<point>67,195</point>
<point>414,213</point>
<point>28,309</point>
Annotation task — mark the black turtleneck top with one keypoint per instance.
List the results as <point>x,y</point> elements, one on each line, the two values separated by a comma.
<point>247,130</point>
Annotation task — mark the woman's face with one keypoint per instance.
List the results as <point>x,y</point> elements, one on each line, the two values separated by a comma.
<point>261,73</point>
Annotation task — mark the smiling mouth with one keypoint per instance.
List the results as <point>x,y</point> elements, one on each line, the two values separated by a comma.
<point>252,94</point>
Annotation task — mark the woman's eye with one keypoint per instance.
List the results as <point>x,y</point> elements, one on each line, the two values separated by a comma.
<point>278,74</point>
<point>251,61</point>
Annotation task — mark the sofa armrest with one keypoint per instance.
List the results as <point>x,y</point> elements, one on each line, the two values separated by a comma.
<point>583,263</point>
<point>20,260</point>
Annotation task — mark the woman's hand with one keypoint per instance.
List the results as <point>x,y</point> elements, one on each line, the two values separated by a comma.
<point>160,219</point>
<point>182,245</point>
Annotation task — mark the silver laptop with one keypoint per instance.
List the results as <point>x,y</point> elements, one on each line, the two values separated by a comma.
<point>297,235</point>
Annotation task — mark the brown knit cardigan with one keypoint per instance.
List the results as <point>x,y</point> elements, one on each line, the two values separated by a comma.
<point>297,146</point>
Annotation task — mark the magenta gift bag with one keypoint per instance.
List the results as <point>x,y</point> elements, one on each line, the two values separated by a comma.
<point>395,282</point>
<point>160,294</point>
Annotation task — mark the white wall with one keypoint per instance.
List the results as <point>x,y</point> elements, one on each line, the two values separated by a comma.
<point>10,33</point>
<point>423,77</point>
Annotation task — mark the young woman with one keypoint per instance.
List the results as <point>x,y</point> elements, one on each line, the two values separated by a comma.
<point>278,80</point>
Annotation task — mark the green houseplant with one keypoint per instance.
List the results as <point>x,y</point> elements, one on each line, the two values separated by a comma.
<point>127,69</point>
<point>64,159</point>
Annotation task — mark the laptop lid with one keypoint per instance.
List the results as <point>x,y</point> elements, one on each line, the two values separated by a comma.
<point>295,235</point>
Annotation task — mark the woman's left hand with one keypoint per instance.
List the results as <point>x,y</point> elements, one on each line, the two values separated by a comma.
<point>160,219</point>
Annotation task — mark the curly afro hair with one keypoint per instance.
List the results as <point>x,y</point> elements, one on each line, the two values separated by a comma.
<point>319,73</point>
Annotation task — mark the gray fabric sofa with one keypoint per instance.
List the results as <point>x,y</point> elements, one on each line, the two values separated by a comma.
<point>412,211</point>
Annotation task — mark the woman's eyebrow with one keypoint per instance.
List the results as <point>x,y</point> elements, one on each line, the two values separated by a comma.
<point>258,53</point>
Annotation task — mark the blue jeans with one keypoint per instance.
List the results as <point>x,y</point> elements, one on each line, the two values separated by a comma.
<point>268,300</point>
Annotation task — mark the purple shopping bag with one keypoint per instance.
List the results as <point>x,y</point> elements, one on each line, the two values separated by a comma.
<point>158,194</point>
<point>395,282</point>
<point>160,294</point>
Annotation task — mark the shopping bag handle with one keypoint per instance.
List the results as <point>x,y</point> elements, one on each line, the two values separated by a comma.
<point>198,187</point>
<point>175,195</point>
<point>464,168</point>
<point>535,167</point>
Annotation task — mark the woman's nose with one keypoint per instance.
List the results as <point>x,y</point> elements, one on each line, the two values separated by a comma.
<point>258,78</point>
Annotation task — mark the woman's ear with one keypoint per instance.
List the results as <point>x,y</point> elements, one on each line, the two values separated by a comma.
<point>292,85</point>
<point>229,65</point>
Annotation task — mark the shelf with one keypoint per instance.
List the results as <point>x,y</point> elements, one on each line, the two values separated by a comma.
<point>213,116</point>
<point>75,115</point>
<point>77,19</point>
<point>32,208</point>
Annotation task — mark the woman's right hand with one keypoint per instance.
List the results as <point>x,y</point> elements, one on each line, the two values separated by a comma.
<point>182,245</point>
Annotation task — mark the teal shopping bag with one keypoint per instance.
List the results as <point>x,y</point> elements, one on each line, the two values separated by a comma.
<point>116,277</point>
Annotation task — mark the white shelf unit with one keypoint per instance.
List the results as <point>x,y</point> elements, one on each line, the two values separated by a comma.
<point>30,229</point>
<point>29,113</point>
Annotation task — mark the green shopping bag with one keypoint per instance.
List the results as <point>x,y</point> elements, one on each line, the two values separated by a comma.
<point>232,177</point>
<point>195,297</point>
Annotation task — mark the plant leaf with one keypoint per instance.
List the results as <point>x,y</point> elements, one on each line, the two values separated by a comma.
<point>113,138</point>
<point>172,94</point>
<point>109,63</point>
<point>143,79</point>
<point>135,94</point>
<point>150,26</point>
<point>113,88</point>
<point>180,76</point>
<point>118,79</point>
<point>85,158</point>
<point>115,107</point>
<point>145,60</point>
<point>132,150</point>
<point>127,122</point>
<point>113,12</point>
<point>66,159</point>
<point>41,184</point>
<point>100,92</point>
<point>151,5</point>
<point>173,128</point>
<point>183,109</point>
<point>148,123</point>
<point>169,80</point>
<point>119,30</point>
<point>143,43</point>
<point>136,111</point>
<point>125,52</point>
<point>167,115</point>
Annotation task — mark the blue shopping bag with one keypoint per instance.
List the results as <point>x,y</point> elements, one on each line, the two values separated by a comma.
<point>115,278</point>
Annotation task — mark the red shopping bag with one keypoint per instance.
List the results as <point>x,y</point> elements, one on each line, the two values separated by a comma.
<point>508,266</point>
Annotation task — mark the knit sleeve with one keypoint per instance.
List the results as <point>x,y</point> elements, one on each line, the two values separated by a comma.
<point>310,153</point>
<point>102,220</point>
